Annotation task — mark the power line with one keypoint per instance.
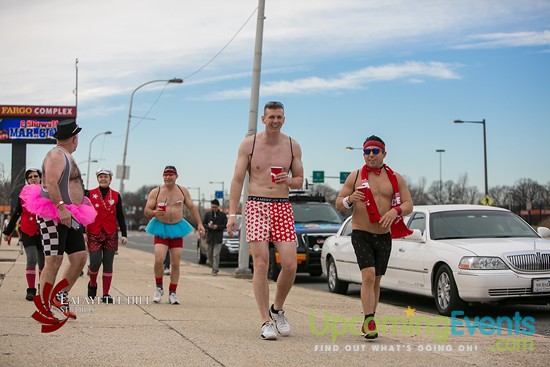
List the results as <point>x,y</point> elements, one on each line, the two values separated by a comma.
<point>199,69</point>
<point>224,47</point>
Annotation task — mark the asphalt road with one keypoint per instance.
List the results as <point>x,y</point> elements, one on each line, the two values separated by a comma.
<point>144,241</point>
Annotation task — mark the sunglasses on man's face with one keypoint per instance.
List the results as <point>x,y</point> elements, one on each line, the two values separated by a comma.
<point>32,176</point>
<point>375,151</point>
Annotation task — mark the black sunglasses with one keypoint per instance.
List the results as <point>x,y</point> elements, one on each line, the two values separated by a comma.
<point>273,105</point>
<point>375,151</point>
<point>32,176</point>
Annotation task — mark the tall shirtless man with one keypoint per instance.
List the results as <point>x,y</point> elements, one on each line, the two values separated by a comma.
<point>62,211</point>
<point>165,209</point>
<point>269,216</point>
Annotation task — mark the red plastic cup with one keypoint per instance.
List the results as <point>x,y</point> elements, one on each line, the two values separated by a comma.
<point>363,189</point>
<point>161,207</point>
<point>275,171</point>
<point>374,216</point>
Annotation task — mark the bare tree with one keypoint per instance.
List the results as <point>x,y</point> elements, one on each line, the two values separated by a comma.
<point>134,203</point>
<point>435,195</point>
<point>4,186</point>
<point>502,196</point>
<point>464,194</point>
<point>418,191</point>
<point>527,192</point>
<point>9,187</point>
<point>448,192</point>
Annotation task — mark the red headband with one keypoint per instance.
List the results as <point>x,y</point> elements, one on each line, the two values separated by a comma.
<point>170,171</point>
<point>370,143</point>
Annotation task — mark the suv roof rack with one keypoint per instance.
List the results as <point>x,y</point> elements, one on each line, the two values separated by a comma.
<point>302,196</point>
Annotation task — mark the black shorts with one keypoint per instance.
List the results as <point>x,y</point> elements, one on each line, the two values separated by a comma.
<point>29,241</point>
<point>372,250</point>
<point>58,238</point>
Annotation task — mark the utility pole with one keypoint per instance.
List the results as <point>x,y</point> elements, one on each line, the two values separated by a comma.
<point>244,247</point>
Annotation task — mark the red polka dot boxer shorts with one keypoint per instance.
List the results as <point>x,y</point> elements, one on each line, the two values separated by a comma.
<point>269,220</point>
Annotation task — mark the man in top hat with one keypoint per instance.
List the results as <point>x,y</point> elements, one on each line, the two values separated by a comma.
<point>62,210</point>
<point>379,198</point>
<point>103,233</point>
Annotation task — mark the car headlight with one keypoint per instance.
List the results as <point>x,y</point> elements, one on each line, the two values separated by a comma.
<point>482,263</point>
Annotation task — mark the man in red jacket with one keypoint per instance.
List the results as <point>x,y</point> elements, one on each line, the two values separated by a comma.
<point>103,233</point>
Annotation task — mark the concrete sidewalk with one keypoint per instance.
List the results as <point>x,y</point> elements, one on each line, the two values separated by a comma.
<point>217,324</point>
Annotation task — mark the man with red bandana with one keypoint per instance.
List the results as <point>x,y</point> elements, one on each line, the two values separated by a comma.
<point>165,209</point>
<point>379,198</point>
<point>102,234</point>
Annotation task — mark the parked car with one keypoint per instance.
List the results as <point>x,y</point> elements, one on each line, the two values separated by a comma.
<point>314,220</point>
<point>230,247</point>
<point>456,254</point>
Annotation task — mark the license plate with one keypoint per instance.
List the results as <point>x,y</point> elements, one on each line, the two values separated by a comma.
<point>541,285</point>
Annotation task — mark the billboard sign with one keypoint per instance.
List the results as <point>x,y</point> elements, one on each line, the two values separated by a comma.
<point>32,124</point>
<point>27,129</point>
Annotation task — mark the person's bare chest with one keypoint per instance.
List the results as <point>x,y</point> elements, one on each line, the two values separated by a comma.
<point>267,155</point>
<point>381,187</point>
<point>172,197</point>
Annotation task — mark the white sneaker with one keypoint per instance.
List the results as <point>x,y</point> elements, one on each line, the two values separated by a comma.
<point>173,299</point>
<point>281,323</point>
<point>158,295</point>
<point>167,271</point>
<point>268,331</point>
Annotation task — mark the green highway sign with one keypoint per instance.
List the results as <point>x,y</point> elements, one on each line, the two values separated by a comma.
<point>344,176</point>
<point>318,176</point>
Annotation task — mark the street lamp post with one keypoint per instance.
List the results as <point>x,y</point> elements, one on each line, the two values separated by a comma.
<point>223,190</point>
<point>484,148</point>
<point>174,80</point>
<point>90,156</point>
<point>440,175</point>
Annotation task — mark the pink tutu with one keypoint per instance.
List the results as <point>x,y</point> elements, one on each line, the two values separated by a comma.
<point>84,213</point>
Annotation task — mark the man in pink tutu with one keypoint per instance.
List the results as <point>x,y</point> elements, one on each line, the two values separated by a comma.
<point>62,210</point>
<point>165,209</point>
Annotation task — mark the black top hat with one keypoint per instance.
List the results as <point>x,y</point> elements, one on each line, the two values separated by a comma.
<point>66,129</point>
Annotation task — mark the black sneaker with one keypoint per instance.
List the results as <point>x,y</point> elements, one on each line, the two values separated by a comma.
<point>92,291</point>
<point>106,299</point>
<point>31,292</point>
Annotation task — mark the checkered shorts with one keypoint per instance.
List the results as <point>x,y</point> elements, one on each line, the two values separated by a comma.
<point>269,220</point>
<point>58,239</point>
